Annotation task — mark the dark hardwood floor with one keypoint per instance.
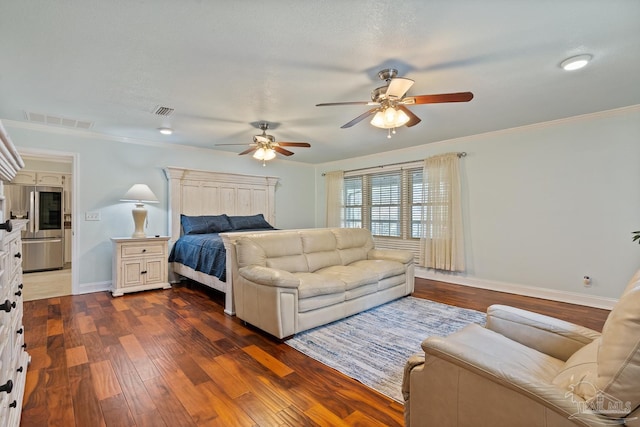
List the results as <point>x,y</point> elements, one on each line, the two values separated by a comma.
<point>173,358</point>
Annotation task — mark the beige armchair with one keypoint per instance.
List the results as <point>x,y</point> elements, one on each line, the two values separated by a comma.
<point>526,369</point>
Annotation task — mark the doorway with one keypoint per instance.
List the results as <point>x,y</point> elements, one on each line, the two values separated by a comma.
<point>60,169</point>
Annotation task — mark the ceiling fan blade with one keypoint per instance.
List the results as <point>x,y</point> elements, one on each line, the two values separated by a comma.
<point>398,87</point>
<point>413,119</point>
<point>294,144</point>
<point>439,98</point>
<point>248,150</point>
<point>343,103</point>
<point>282,151</point>
<point>359,118</point>
<point>218,145</point>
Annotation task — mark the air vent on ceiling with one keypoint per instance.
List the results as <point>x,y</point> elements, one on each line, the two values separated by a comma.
<point>163,111</point>
<point>48,119</point>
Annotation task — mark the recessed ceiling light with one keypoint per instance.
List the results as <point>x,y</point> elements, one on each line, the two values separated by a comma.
<point>575,62</point>
<point>165,131</point>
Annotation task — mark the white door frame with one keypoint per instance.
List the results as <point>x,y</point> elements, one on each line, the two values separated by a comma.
<point>53,155</point>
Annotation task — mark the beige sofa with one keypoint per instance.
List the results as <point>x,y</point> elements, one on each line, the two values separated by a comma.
<point>287,281</point>
<point>525,369</point>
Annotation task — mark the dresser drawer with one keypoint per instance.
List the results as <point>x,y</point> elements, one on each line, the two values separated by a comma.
<point>137,250</point>
<point>15,253</point>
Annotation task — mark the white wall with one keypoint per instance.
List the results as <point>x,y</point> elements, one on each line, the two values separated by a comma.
<point>544,205</point>
<point>107,168</point>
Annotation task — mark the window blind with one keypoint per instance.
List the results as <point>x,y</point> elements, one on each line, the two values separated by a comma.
<point>389,203</point>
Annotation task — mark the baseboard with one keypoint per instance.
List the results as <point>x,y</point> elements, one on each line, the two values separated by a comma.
<point>87,288</point>
<point>530,291</point>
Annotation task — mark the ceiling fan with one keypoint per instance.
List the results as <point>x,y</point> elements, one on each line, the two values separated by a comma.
<point>264,147</point>
<point>390,101</point>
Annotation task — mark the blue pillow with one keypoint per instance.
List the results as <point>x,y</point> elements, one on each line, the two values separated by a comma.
<point>251,222</point>
<point>205,224</point>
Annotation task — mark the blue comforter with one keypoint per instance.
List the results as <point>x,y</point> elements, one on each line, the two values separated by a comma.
<point>202,252</point>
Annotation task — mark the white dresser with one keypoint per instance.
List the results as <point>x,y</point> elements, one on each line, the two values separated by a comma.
<point>13,355</point>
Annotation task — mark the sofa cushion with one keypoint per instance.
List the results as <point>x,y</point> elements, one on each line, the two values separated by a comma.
<point>320,301</point>
<point>361,291</point>
<point>319,240</point>
<point>383,268</point>
<point>353,244</point>
<point>480,347</point>
<point>351,276</point>
<point>391,282</point>
<point>347,238</point>
<point>312,284</point>
<point>316,291</point>
<point>281,250</point>
<point>318,260</point>
<point>619,354</point>
<point>292,263</point>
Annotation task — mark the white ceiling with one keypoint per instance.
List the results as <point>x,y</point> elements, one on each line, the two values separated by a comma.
<point>223,65</point>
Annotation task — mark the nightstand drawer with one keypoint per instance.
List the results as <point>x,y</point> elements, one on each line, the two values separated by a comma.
<point>151,249</point>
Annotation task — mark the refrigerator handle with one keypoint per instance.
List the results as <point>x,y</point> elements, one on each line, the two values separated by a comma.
<point>36,211</point>
<point>31,211</point>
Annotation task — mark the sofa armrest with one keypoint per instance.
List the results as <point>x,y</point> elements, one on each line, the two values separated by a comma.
<point>414,361</point>
<point>546,334</point>
<point>269,276</point>
<point>404,257</point>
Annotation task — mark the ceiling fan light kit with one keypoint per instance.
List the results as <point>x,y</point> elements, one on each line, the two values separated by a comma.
<point>390,111</point>
<point>389,118</point>
<point>264,154</point>
<point>265,147</point>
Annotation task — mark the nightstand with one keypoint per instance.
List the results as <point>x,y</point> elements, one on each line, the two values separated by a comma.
<point>140,264</point>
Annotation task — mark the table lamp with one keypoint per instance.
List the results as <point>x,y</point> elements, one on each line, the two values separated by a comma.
<point>139,194</point>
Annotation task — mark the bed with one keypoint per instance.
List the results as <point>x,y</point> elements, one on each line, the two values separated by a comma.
<point>197,193</point>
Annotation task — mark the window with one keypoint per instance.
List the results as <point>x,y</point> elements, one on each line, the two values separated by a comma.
<point>402,212</point>
<point>387,203</point>
<point>353,202</point>
<point>416,202</point>
<point>384,204</point>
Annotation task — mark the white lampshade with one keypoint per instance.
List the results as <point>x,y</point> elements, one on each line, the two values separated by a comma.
<point>139,194</point>
<point>259,154</point>
<point>269,154</point>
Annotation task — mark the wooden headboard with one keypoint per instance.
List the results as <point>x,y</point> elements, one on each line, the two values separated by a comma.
<point>198,192</point>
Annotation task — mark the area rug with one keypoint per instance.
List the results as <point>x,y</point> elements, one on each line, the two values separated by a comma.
<point>373,346</point>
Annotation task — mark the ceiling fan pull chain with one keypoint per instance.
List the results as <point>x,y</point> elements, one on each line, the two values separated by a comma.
<point>389,134</point>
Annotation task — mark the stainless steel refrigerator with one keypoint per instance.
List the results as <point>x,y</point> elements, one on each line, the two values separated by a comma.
<point>43,238</point>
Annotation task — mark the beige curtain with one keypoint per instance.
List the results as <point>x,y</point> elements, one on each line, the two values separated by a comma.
<point>333,187</point>
<point>442,244</point>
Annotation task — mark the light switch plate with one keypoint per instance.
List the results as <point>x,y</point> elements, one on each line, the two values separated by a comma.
<point>92,216</point>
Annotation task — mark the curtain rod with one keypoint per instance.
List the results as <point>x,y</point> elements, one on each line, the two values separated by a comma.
<point>460,154</point>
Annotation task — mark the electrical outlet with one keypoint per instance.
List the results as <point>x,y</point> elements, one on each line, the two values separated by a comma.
<point>92,216</point>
